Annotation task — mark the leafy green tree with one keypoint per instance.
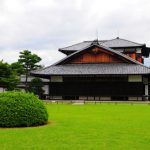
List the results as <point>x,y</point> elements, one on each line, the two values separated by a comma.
<point>8,77</point>
<point>35,86</point>
<point>29,62</point>
<point>18,68</point>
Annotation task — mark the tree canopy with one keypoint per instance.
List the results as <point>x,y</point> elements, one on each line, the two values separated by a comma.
<point>35,87</point>
<point>18,68</point>
<point>8,77</point>
<point>10,73</point>
<point>29,62</point>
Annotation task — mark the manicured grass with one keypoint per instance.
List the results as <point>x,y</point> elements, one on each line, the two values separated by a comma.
<point>85,127</point>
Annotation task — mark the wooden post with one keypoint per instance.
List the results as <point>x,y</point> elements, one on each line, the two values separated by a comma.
<point>146,91</point>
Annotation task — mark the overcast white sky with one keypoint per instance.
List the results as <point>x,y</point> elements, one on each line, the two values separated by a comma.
<point>43,26</point>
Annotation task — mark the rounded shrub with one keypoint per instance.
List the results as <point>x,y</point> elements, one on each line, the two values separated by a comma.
<point>18,109</point>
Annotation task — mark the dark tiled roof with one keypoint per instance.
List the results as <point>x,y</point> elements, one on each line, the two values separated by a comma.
<point>114,43</point>
<point>60,68</point>
<point>94,69</point>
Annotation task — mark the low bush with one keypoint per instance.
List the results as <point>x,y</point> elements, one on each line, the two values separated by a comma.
<point>18,109</point>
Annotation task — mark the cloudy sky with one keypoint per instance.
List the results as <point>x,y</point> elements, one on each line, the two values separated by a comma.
<point>43,26</point>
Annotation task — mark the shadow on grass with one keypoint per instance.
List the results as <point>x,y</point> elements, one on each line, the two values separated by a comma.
<point>23,127</point>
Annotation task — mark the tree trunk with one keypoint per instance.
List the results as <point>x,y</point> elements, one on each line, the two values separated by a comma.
<point>26,82</point>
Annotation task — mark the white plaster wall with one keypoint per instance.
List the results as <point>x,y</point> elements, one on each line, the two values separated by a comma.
<point>105,98</point>
<point>57,97</point>
<point>46,89</point>
<point>132,98</point>
<point>82,97</point>
<point>135,78</point>
<point>56,79</point>
<point>2,89</point>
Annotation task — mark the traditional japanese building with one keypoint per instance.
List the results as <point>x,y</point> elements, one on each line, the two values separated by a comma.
<point>100,70</point>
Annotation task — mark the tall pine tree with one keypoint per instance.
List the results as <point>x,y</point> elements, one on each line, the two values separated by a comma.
<point>29,62</point>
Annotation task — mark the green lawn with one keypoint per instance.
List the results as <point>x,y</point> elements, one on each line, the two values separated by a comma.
<point>85,127</point>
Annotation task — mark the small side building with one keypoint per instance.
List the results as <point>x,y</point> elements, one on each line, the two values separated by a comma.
<point>99,70</point>
<point>21,84</point>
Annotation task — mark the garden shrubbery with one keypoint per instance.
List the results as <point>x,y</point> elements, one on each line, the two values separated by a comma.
<point>18,109</point>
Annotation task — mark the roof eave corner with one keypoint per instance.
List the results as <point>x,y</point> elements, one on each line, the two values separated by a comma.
<point>60,50</point>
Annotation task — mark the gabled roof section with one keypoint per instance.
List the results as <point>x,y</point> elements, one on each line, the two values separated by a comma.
<point>114,43</point>
<point>93,44</point>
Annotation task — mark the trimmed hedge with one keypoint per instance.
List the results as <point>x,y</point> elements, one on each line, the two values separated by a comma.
<point>18,109</point>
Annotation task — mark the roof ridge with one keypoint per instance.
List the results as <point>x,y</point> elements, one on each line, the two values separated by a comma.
<point>98,41</point>
<point>127,40</point>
